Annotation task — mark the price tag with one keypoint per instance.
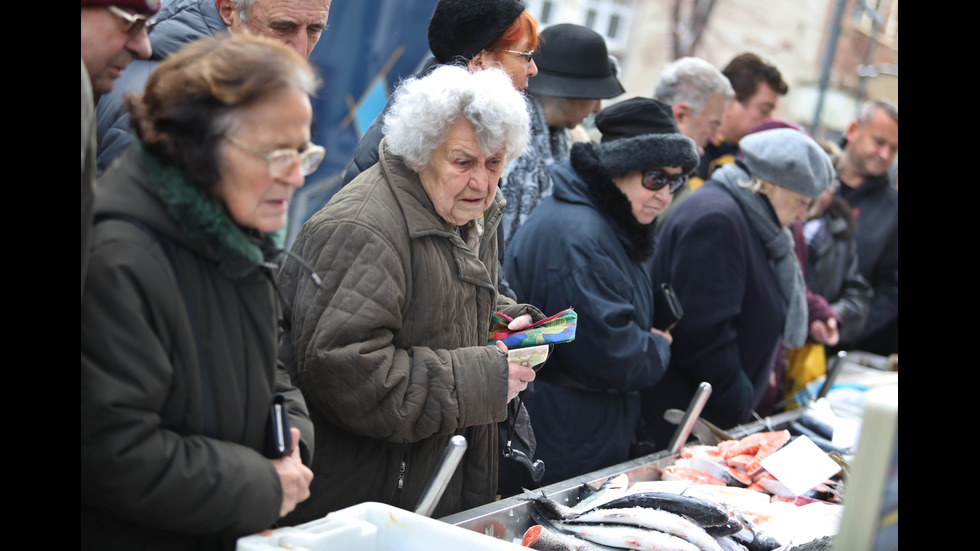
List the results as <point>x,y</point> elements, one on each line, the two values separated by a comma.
<point>800,465</point>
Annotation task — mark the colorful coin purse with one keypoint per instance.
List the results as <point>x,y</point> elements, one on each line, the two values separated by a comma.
<point>555,329</point>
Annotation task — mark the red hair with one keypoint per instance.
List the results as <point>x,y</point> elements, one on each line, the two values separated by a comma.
<point>524,27</point>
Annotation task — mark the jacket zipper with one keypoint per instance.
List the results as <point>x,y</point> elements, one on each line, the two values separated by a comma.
<point>403,466</point>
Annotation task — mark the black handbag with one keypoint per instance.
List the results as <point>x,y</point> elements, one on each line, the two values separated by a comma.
<point>518,470</point>
<point>667,309</point>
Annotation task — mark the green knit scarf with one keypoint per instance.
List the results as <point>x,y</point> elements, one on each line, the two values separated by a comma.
<point>203,218</point>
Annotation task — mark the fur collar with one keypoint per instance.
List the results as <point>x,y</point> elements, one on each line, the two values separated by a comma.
<point>205,223</point>
<point>612,202</point>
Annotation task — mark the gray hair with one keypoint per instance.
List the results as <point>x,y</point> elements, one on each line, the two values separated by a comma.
<point>753,184</point>
<point>423,109</point>
<point>870,107</point>
<point>692,80</point>
<point>243,7</point>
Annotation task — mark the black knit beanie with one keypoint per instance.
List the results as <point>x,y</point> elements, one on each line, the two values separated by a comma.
<point>462,28</point>
<point>640,134</point>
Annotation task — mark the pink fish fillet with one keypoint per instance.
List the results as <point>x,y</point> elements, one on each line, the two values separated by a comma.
<point>753,442</point>
<point>740,461</point>
<point>677,472</point>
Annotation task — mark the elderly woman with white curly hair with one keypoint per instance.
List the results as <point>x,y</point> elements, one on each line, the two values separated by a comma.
<point>391,353</point>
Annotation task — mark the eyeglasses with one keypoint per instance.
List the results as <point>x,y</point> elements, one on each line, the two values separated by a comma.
<point>282,161</point>
<point>526,55</point>
<point>137,22</point>
<point>657,179</point>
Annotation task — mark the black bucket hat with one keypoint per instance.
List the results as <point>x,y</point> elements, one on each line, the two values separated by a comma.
<point>639,134</point>
<point>573,62</point>
<point>463,28</point>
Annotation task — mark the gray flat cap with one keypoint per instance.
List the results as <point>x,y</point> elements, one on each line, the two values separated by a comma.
<point>788,158</point>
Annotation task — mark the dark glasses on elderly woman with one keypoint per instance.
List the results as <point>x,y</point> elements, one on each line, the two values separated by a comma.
<point>657,179</point>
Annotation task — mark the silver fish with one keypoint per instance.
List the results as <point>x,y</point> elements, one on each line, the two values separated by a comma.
<point>551,508</point>
<point>752,536</point>
<point>628,537</point>
<point>544,539</point>
<point>613,487</point>
<point>728,544</point>
<point>654,519</point>
<point>701,511</point>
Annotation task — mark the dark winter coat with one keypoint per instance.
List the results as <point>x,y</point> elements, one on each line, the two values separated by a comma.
<point>733,312</point>
<point>179,370</point>
<point>88,167</point>
<point>583,248</point>
<point>832,268</point>
<point>392,353</point>
<point>875,206</point>
<point>177,23</point>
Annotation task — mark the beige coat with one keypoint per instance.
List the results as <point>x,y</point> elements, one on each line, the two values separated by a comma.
<point>391,354</point>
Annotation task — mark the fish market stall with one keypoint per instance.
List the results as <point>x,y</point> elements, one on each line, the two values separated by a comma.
<point>729,469</point>
<point>640,480</point>
<point>718,491</point>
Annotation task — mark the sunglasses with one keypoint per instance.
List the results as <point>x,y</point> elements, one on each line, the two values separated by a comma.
<point>657,179</point>
<point>137,22</point>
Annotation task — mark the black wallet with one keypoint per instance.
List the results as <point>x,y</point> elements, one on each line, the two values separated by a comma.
<point>667,309</point>
<point>279,439</point>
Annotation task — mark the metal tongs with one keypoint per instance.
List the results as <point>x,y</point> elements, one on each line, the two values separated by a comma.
<point>690,417</point>
<point>440,478</point>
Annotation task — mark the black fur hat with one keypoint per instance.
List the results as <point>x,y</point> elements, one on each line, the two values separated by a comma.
<point>640,134</point>
<point>462,28</point>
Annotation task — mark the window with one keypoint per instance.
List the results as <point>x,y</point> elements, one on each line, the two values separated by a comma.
<point>608,18</point>
<point>613,26</point>
<point>861,16</point>
<point>546,12</point>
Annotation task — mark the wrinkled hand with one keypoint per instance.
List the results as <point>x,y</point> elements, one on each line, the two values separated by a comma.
<point>518,376</point>
<point>825,332</point>
<point>664,334</point>
<point>294,477</point>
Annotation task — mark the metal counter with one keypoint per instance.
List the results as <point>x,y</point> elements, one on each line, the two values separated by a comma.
<point>509,518</point>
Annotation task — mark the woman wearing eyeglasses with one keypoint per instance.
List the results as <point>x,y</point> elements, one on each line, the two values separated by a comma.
<point>730,257</point>
<point>391,353</point>
<point>586,247</point>
<point>179,315</point>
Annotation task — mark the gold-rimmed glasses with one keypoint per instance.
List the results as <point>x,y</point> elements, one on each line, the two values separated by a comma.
<point>281,161</point>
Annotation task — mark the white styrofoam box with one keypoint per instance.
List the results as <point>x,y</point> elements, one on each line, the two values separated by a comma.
<point>373,527</point>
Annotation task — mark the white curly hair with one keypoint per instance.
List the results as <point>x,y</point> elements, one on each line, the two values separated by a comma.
<point>424,108</point>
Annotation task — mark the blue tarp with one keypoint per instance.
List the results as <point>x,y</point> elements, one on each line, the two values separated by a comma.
<point>369,46</point>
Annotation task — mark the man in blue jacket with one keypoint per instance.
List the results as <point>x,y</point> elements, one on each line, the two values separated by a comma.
<point>298,23</point>
<point>870,148</point>
<point>113,34</point>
